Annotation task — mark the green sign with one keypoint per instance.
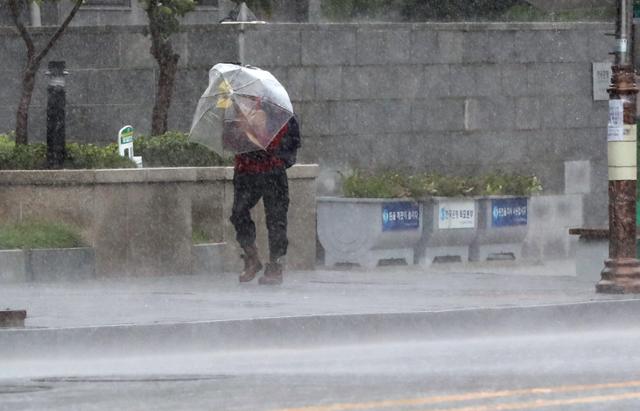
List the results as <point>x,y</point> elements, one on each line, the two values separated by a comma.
<point>126,135</point>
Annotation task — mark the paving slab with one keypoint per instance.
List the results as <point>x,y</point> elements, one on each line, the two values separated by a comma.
<point>326,305</point>
<point>171,299</point>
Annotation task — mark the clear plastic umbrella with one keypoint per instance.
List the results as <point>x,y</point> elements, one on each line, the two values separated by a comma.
<point>242,110</point>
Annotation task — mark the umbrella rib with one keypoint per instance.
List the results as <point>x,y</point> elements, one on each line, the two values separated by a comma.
<point>232,78</point>
<point>203,111</point>
<point>252,81</point>
<point>251,96</point>
<point>194,122</point>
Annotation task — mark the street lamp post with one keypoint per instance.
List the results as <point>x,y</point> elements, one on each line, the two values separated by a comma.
<point>621,273</point>
<point>56,102</point>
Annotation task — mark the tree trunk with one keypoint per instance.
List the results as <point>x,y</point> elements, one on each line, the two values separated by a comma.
<point>168,64</point>
<point>22,115</point>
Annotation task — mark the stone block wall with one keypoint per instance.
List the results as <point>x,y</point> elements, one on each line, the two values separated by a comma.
<point>453,98</point>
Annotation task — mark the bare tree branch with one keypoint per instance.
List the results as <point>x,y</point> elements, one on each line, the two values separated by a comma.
<point>59,32</point>
<point>34,58</point>
<point>24,33</point>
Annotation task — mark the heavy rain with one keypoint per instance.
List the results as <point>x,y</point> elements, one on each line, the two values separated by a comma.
<point>319,205</point>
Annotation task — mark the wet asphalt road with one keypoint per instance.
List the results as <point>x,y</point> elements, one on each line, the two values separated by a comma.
<point>593,370</point>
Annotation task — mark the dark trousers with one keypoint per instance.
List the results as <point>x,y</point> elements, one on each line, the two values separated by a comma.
<point>273,188</point>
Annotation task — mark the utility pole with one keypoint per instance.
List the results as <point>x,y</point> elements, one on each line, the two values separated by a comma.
<point>621,273</point>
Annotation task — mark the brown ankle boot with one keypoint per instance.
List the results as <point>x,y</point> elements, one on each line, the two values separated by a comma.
<point>272,275</point>
<point>252,264</point>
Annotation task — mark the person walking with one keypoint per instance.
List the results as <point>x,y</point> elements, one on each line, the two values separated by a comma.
<point>262,175</point>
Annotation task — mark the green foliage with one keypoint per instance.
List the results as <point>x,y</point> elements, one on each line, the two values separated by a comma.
<point>39,234</point>
<point>199,236</point>
<point>526,12</point>
<point>345,10</point>
<point>173,149</point>
<point>21,156</point>
<point>450,10</point>
<point>418,10</point>
<point>501,183</point>
<point>389,184</point>
<point>79,156</point>
<point>260,7</point>
<point>383,185</point>
<point>89,156</point>
<point>166,14</point>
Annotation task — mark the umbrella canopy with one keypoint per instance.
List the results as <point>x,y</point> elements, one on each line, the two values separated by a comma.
<point>242,110</point>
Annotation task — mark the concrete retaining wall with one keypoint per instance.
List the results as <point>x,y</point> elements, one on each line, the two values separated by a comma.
<point>47,264</point>
<point>453,98</point>
<point>139,221</point>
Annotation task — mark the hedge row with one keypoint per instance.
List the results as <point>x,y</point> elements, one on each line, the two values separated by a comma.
<point>172,149</point>
<point>393,184</point>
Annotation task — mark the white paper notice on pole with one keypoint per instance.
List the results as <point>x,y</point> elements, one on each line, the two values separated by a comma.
<point>622,45</point>
<point>457,214</point>
<point>601,80</point>
<point>615,129</point>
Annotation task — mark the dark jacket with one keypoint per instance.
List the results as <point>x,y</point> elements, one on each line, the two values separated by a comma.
<point>287,150</point>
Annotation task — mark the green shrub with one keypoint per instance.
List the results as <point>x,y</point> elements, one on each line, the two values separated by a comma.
<point>89,156</point>
<point>501,183</point>
<point>79,156</point>
<point>389,184</point>
<point>39,234</point>
<point>21,157</point>
<point>173,149</point>
<point>199,236</point>
<point>383,185</point>
<point>457,10</point>
<point>526,12</point>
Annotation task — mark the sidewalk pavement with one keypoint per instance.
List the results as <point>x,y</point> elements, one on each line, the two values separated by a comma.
<point>389,299</point>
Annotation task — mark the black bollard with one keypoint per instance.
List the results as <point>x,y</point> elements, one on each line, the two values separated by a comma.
<point>56,102</point>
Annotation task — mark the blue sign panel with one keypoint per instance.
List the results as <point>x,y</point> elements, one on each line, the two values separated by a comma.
<point>403,215</point>
<point>508,212</point>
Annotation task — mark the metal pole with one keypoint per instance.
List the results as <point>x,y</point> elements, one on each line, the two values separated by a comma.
<point>36,20</point>
<point>621,273</point>
<point>56,102</point>
<point>242,17</point>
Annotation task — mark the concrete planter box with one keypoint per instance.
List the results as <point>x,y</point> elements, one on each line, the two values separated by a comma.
<point>450,228</point>
<point>80,263</point>
<point>208,258</point>
<point>13,266</point>
<point>502,228</point>
<point>365,231</point>
<point>139,221</point>
<point>47,264</point>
